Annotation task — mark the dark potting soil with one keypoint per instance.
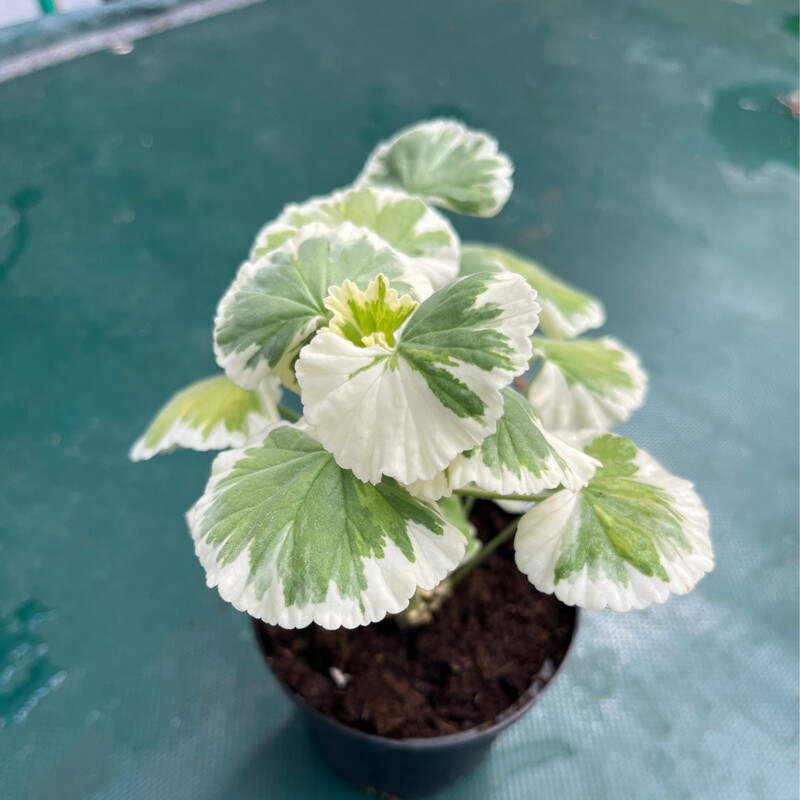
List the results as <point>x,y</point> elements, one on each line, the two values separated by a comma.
<point>487,644</point>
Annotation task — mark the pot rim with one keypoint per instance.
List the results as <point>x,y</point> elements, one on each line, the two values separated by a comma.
<point>501,721</point>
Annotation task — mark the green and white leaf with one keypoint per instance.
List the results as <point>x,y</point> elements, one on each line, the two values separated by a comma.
<point>276,304</point>
<point>519,458</point>
<point>212,414</point>
<point>631,537</point>
<point>291,538</point>
<point>566,312</point>
<point>406,223</point>
<point>586,383</point>
<point>407,407</point>
<point>447,165</point>
<point>453,510</point>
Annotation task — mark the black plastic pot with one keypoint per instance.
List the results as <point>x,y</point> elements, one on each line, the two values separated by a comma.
<point>406,767</point>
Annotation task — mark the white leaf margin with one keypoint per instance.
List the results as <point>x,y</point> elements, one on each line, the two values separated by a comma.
<point>364,413</point>
<point>438,269</point>
<point>540,541</point>
<point>552,320</point>
<point>391,580</point>
<point>235,363</point>
<point>463,471</point>
<point>566,408</point>
<point>556,324</point>
<point>502,184</point>
<point>515,506</point>
<point>182,435</point>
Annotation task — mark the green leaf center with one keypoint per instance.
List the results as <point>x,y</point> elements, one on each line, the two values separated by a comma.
<point>370,317</point>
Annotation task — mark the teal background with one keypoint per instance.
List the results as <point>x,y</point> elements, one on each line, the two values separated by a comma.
<point>654,168</point>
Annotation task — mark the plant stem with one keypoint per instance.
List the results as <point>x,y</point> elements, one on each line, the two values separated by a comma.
<point>484,553</point>
<point>530,498</point>
<point>468,502</point>
<point>292,416</point>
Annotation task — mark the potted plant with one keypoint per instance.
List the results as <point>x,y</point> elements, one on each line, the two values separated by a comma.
<point>406,351</point>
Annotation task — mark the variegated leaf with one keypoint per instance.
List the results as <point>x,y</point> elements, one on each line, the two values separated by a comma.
<point>586,383</point>
<point>276,304</point>
<point>566,312</point>
<point>453,510</point>
<point>291,538</point>
<point>406,223</point>
<point>631,537</point>
<point>405,404</point>
<point>212,414</point>
<point>447,165</point>
<point>519,458</point>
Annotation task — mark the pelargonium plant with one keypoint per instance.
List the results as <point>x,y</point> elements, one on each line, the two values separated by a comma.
<point>407,350</point>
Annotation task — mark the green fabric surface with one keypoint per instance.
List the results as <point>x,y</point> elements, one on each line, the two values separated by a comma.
<point>655,169</point>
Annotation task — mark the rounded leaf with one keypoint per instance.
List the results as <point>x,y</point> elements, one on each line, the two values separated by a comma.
<point>212,414</point>
<point>566,312</point>
<point>519,458</point>
<point>407,410</point>
<point>406,223</point>
<point>631,537</point>
<point>277,303</point>
<point>586,383</point>
<point>447,165</point>
<point>292,538</point>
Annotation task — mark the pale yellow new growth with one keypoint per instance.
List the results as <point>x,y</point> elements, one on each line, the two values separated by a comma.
<point>370,317</point>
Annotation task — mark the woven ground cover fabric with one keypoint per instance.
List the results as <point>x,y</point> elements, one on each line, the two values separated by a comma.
<point>655,168</point>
